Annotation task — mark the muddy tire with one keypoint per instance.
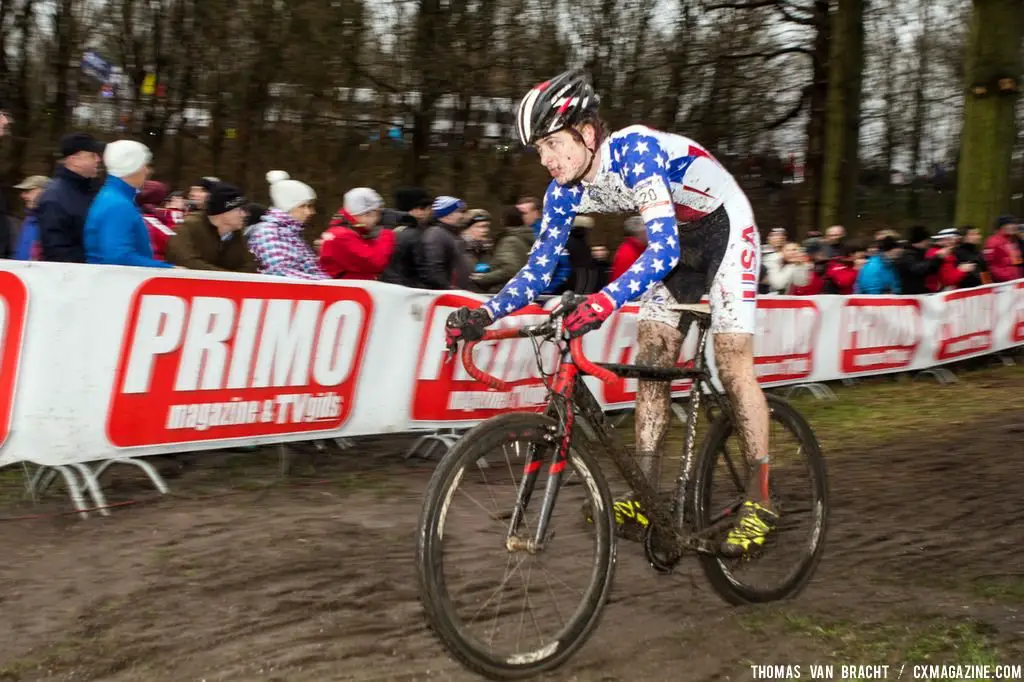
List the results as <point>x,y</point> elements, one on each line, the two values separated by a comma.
<point>438,604</point>
<point>717,569</point>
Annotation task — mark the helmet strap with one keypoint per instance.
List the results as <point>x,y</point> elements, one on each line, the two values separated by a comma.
<point>590,164</point>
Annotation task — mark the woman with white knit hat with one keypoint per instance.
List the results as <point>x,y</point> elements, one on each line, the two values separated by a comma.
<point>276,240</point>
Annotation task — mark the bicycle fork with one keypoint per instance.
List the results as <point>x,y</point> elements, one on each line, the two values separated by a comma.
<point>562,389</point>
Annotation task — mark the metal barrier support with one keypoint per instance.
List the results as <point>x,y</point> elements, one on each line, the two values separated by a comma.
<point>940,374</point>
<point>818,390</point>
<point>446,438</point>
<point>46,475</point>
<point>1006,359</point>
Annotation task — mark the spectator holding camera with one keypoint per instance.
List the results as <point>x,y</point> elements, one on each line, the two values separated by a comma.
<point>792,268</point>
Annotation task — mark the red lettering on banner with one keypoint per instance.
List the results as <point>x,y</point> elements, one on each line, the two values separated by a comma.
<point>13,305</point>
<point>204,360</point>
<point>787,333</point>
<point>444,391</point>
<point>1017,333</point>
<point>878,334</point>
<point>620,348</point>
<point>968,322</point>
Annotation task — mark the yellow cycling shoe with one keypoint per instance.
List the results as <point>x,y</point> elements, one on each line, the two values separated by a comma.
<point>753,525</point>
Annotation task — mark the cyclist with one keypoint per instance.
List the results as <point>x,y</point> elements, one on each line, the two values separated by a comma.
<point>701,238</point>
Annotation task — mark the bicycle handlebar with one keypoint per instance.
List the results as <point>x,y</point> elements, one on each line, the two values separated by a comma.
<point>544,329</point>
<point>585,365</point>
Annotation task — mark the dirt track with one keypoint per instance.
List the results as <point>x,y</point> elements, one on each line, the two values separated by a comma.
<point>315,581</point>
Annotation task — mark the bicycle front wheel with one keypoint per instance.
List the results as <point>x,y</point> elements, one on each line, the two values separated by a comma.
<point>798,486</point>
<point>508,609</point>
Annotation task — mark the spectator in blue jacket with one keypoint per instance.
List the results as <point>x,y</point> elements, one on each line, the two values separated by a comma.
<point>29,247</point>
<point>879,274</point>
<point>115,233</point>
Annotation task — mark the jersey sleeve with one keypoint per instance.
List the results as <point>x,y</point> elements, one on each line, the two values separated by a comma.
<point>642,164</point>
<point>560,204</point>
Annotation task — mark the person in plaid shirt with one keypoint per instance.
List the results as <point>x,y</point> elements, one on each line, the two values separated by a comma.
<point>276,240</point>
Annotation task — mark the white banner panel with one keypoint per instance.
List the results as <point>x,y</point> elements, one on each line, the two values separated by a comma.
<point>98,362</point>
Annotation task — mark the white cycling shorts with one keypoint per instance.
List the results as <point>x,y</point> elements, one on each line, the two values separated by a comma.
<point>731,288</point>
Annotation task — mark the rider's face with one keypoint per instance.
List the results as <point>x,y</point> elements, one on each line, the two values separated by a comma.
<point>563,155</point>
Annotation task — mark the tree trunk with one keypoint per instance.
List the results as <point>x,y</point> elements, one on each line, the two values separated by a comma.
<point>842,132</point>
<point>920,114</point>
<point>5,10</point>
<point>21,106</point>
<point>64,32</point>
<point>890,114</point>
<point>432,87</point>
<point>993,53</point>
<point>257,88</point>
<point>814,159</point>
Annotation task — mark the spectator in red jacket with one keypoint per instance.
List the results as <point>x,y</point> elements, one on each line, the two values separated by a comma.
<point>631,248</point>
<point>159,221</point>
<point>840,274</point>
<point>351,249</point>
<point>951,273</point>
<point>1003,252</point>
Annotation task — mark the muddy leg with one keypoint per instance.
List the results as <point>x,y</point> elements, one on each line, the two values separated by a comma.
<point>659,346</point>
<point>734,355</point>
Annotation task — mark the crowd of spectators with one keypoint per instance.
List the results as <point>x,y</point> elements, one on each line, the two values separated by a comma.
<point>918,263</point>
<point>427,241</point>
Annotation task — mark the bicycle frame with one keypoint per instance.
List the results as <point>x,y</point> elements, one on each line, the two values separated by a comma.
<point>569,398</point>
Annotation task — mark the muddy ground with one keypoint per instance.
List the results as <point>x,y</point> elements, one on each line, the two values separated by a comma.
<point>236,576</point>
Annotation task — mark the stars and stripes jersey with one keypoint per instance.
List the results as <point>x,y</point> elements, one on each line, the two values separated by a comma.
<point>666,178</point>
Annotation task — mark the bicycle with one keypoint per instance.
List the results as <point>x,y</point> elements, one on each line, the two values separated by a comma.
<point>688,521</point>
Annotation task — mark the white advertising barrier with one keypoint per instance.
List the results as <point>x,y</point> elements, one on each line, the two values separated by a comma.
<point>102,362</point>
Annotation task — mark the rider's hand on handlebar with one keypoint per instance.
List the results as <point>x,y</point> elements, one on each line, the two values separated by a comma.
<point>466,324</point>
<point>589,315</point>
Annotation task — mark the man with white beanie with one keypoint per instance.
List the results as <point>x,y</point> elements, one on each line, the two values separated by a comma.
<point>115,233</point>
<point>276,240</point>
<point>350,248</point>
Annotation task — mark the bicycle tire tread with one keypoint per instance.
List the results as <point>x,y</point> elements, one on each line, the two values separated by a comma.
<point>467,450</point>
<point>782,411</point>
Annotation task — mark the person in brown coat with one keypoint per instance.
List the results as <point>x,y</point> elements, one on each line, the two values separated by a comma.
<point>213,240</point>
<point>511,250</point>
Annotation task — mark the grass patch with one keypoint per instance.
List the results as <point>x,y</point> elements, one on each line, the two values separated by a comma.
<point>886,409</point>
<point>12,485</point>
<point>1008,588</point>
<point>932,642</point>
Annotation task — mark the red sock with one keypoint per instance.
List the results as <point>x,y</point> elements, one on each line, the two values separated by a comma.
<point>762,475</point>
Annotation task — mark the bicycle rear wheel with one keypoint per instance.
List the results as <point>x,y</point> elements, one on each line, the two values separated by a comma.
<point>798,486</point>
<point>462,489</point>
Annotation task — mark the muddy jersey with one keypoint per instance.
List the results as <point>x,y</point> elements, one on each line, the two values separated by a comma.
<point>667,179</point>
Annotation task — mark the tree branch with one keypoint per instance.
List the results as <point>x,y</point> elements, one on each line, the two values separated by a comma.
<point>803,21</point>
<point>772,55</point>
<point>360,70</point>
<point>805,96</point>
<point>750,4</point>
